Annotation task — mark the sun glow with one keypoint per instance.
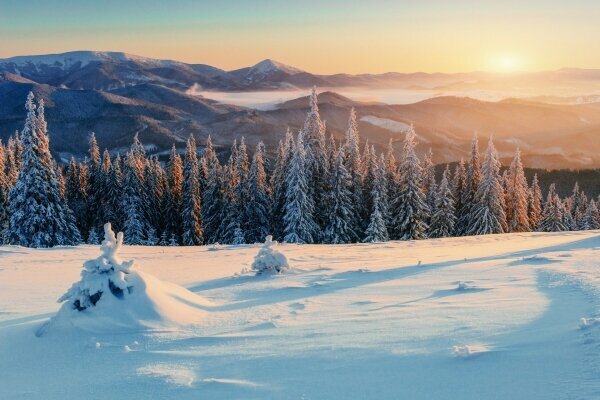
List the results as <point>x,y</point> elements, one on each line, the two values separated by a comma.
<point>506,63</point>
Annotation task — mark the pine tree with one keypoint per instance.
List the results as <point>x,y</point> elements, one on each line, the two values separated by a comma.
<point>214,205</point>
<point>444,217</point>
<point>487,212</point>
<point>38,215</point>
<point>257,206</point>
<point>459,186</point>
<point>355,168</point>
<point>313,136</point>
<point>409,209</point>
<point>174,195</point>
<point>517,197</point>
<point>578,204</point>
<point>465,222</point>
<point>285,154</point>
<point>300,226</point>
<point>391,175</point>
<point>95,187</point>
<point>534,207</point>
<point>191,200</point>
<point>376,229</point>
<point>4,190</point>
<point>93,237</point>
<point>552,219</point>
<point>151,239</point>
<point>339,213</point>
<point>591,217</point>
<point>134,224</point>
<point>429,184</point>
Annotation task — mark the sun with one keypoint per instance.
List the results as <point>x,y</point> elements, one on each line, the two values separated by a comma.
<point>506,63</point>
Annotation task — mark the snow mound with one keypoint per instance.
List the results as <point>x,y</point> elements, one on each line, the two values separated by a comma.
<point>468,350</point>
<point>585,323</point>
<point>113,296</point>
<point>269,260</point>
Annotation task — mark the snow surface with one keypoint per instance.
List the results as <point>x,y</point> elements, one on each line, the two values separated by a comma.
<point>490,317</point>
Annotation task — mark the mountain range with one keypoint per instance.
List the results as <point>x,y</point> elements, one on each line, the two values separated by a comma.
<point>117,95</point>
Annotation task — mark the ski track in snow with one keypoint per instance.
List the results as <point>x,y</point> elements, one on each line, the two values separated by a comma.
<point>473,318</point>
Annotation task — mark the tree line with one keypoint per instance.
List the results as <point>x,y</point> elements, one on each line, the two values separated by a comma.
<point>318,190</point>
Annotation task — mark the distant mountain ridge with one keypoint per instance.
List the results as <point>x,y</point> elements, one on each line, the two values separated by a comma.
<point>117,95</point>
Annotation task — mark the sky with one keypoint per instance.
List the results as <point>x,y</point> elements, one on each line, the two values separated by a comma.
<point>326,36</point>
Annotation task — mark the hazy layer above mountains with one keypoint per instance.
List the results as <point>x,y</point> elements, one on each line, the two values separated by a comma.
<point>554,117</point>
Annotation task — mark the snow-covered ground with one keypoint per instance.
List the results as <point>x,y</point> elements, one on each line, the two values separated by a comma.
<point>490,317</point>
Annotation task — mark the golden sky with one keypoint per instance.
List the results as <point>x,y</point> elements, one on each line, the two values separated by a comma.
<point>325,36</point>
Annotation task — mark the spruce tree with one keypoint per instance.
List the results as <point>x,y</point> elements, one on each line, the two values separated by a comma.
<point>487,213</point>
<point>444,217</point>
<point>38,215</point>
<point>355,168</point>
<point>4,190</point>
<point>429,184</point>
<point>409,209</point>
<point>134,224</point>
<point>534,207</point>
<point>517,197</point>
<point>285,153</point>
<point>376,229</point>
<point>465,222</point>
<point>191,198</point>
<point>257,206</point>
<point>591,217</point>
<point>213,201</point>
<point>173,208</point>
<point>552,219</point>
<point>300,226</point>
<point>459,187</point>
<point>339,213</point>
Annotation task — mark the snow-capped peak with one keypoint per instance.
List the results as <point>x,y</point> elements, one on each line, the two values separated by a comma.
<point>268,66</point>
<point>71,58</point>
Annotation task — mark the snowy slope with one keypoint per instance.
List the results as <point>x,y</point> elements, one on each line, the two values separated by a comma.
<point>490,317</point>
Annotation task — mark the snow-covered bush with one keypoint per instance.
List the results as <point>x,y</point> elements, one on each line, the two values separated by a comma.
<point>269,260</point>
<point>106,275</point>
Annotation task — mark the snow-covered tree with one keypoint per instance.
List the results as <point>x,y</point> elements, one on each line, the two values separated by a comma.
<point>534,204</point>
<point>429,184</point>
<point>193,234</point>
<point>257,206</point>
<point>285,153</point>
<point>339,214</point>
<point>39,217</point>
<point>409,209</point>
<point>516,197</point>
<point>487,212</point>
<point>214,205</point>
<point>591,217</point>
<point>132,204</point>
<point>355,168</point>
<point>465,221</point>
<point>376,229</point>
<point>459,186</point>
<point>173,198</point>
<point>444,217</point>
<point>4,190</point>
<point>552,219</point>
<point>299,223</point>
<point>104,276</point>
<point>269,260</point>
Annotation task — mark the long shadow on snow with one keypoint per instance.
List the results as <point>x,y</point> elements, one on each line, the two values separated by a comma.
<point>352,279</point>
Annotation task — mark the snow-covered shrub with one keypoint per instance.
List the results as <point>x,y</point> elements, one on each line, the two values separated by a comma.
<point>106,275</point>
<point>269,260</point>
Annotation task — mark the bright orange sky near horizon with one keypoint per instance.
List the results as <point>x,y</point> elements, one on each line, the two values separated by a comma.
<point>326,36</point>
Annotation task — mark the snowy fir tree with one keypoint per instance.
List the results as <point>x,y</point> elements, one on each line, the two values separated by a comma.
<point>213,200</point>
<point>300,226</point>
<point>103,276</point>
<point>534,204</point>
<point>39,217</point>
<point>4,190</point>
<point>517,193</point>
<point>459,186</point>
<point>444,218</point>
<point>376,229</point>
<point>191,198</point>
<point>278,184</point>
<point>429,184</point>
<point>487,212</point>
<point>134,224</point>
<point>93,237</point>
<point>339,217</point>
<point>269,260</point>
<point>465,223</point>
<point>591,217</point>
<point>552,219</point>
<point>409,209</point>
<point>257,205</point>
<point>355,168</point>
<point>173,198</point>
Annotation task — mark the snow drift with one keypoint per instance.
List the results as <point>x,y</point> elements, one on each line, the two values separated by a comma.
<point>113,295</point>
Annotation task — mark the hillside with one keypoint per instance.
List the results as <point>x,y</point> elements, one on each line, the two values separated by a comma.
<point>516,314</point>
